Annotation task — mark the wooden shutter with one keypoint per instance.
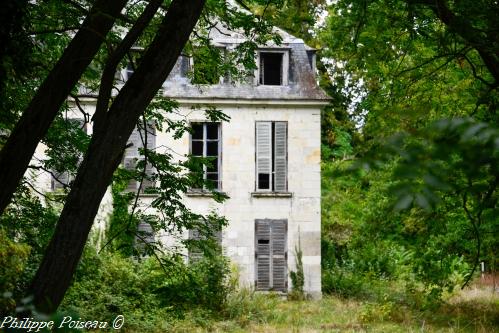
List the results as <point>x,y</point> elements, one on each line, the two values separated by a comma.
<point>280,156</point>
<point>195,254</point>
<point>145,235</point>
<point>136,143</point>
<point>279,255</point>
<point>59,179</point>
<point>151,136</point>
<point>263,154</point>
<point>130,163</point>
<point>262,254</point>
<point>150,145</point>
<point>148,183</point>
<point>271,255</point>
<point>145,231</point>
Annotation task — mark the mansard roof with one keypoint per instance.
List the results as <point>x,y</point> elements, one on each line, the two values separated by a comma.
<point>301,85</point>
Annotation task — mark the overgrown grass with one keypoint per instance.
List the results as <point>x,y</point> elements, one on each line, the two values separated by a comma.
<point>469,311</point>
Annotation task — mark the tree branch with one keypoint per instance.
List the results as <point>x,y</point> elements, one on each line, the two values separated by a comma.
<point>107,78</point>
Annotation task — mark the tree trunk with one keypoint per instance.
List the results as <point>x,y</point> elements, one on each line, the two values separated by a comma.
<point>104,155</point>
<point>36,119</point>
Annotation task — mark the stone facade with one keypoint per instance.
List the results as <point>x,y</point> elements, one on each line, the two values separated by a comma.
<point>297,102</point>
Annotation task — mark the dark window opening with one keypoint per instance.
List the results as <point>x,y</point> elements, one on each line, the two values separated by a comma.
<point>184,65</point>
<point>310,55</point>
<point>271,68</point>
<point>263,181</point>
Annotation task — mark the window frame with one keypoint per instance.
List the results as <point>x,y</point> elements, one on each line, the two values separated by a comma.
<point>205,141</point>
<point>284,67</point>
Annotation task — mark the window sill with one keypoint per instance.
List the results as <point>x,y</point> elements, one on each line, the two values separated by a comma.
<point>272,194</point>
<point>193,193</point>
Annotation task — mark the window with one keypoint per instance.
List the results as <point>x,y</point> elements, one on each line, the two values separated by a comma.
<point>145,235</point>
<point>208,63</point>
<point>271,255</point>
<point>133,62</point>
<point>311,59</point>
<point>185,65</point>
<point>271,156</point>
<point>132,156</point>
<point>129,71</point>
<point>205,142</point>
<point>62,179</point>
<point>196,252</point>
<point>273,68</point>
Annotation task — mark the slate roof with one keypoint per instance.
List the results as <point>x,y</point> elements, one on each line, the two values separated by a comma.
<point>302,83</point>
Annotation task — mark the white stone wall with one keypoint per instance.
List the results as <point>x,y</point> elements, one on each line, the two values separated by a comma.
<point>302,209</point>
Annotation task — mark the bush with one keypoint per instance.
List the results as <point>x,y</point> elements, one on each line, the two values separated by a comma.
<point>148,294</point>
<point>12,259</point>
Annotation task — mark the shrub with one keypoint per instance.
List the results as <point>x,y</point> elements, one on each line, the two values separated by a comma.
<point>12,259</point>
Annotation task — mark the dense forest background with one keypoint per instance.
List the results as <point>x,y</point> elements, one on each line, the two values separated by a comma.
<point>410,169</point>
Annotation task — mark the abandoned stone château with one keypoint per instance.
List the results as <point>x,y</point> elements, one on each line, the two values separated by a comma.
<point>266,159</point>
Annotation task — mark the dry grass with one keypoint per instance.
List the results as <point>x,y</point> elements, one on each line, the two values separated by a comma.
<point>473,310</point>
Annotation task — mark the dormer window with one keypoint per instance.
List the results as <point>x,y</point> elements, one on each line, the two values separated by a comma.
<point>185,65</point>
<point>207,64</point>
<point>273,68</point>
<point>133,60</point>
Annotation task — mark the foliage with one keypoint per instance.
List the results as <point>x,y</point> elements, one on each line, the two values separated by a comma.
<point>12,261</point>
<point>147,293</point>
<point>423,92</point>
<point>298,276</point>
<point>366,242</point>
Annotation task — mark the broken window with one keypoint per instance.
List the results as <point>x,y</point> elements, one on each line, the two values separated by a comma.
<point>271,68</point>
<point>271,156</point>
<point>140,139</point>
<point>205,142</point>
<point>271,255</point>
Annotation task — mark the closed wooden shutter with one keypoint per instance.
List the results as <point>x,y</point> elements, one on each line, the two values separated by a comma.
<point>151,136</point>
<point>132,155</point>
<point>130,163</point>
<point>195,254</point>
<point>145,231</point>
<point>262,253</point>
<point>279,255</point>
<point>271,255</point>
<point>60,179</point>
<point>145,235</point>
<point>151,145</point>
<point>280,156</point>
<point>134,139</point>
<point>264,155</point>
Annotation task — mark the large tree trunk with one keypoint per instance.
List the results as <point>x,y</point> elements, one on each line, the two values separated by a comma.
<point>104,154</point>
<point>36,119</point>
